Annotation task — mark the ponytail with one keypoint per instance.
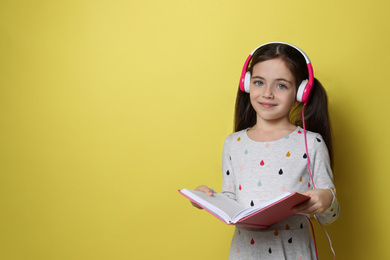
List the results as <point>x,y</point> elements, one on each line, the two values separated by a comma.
<point>316,116</point>
<point>245,116</point>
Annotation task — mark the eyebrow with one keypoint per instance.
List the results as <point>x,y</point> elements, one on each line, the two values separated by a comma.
<point>279,79</point>
<point>284,80</point>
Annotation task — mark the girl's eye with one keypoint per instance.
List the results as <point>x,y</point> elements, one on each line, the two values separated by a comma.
<point>258,83</point>
<point>281,86</point>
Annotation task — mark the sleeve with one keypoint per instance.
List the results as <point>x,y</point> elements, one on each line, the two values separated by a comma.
<point>228,178</point>
<point>323,178</point>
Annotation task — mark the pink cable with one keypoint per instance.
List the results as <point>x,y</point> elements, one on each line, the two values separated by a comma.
<point>314,186</point>
<point>330,241</point>
<point>312,232</point>
<point>307,150</point>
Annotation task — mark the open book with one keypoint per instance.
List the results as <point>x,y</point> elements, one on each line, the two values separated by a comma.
<point>260,216</point>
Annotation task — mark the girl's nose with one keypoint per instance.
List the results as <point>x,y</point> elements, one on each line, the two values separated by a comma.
<point>268,93</point>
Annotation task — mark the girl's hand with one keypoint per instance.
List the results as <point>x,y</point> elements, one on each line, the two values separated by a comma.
<point>320,200</point>
<point>205,189</point>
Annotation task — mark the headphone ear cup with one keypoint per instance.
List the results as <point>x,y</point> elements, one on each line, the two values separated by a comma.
<point>247,81</point>
<point>301,90</point>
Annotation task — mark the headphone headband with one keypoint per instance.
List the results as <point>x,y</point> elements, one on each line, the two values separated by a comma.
<point>305,87</point>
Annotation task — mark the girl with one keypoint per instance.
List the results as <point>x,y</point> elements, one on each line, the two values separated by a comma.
<point>266,156</point>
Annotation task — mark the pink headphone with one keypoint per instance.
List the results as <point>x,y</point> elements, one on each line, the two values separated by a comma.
<point>304,88</point>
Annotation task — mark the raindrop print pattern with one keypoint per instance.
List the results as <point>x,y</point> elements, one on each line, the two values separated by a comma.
<point>254,168</point>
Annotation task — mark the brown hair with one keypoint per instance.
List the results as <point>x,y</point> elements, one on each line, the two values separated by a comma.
<point>316,110</point>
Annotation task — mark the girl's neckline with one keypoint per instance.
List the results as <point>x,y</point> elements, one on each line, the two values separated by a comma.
<point>272,141</point>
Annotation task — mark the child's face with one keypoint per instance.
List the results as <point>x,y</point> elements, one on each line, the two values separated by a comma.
<point>272,90</point>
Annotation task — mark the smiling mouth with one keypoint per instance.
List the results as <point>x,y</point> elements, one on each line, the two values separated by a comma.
<point>267,105</point>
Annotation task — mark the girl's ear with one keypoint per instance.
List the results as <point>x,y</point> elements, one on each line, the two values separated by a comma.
<point>297,103</point>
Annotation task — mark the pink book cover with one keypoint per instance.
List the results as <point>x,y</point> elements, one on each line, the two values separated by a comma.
<point>274,212</point>
<point>268,215</point>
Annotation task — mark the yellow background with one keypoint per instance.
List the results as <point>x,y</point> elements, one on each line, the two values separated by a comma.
<point>107,107</point>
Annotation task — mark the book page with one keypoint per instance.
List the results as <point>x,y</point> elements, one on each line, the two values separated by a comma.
<point>219,204</point>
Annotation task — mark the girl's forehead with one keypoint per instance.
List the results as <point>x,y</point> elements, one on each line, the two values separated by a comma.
<point>272,67</point>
